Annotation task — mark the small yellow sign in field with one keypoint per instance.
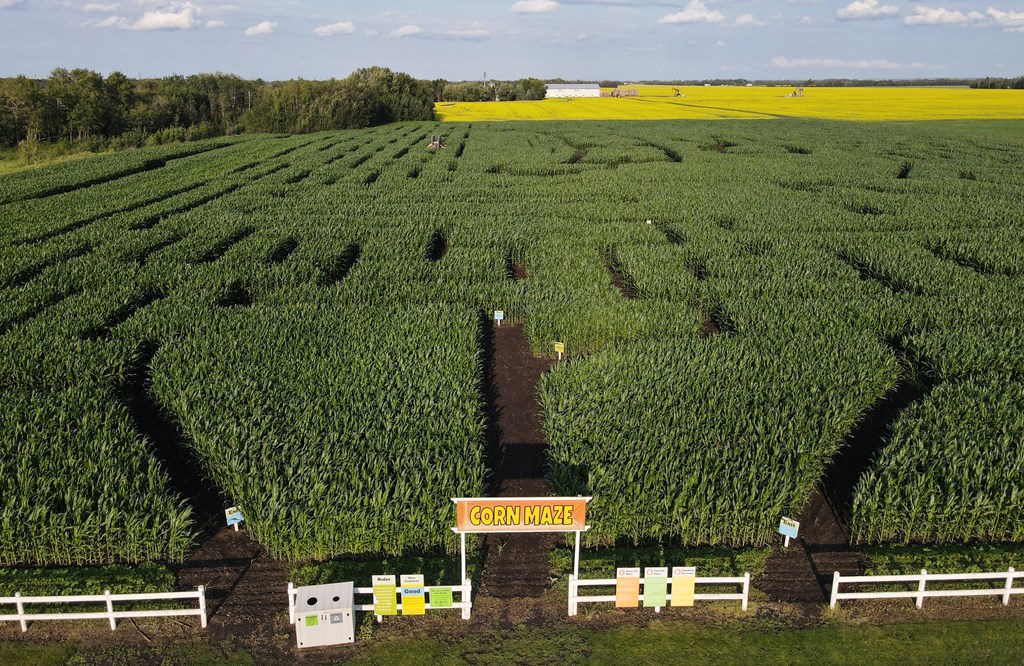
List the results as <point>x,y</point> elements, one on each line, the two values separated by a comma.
<point>707,103</point>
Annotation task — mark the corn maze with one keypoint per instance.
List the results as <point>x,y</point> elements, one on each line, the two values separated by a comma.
<point>310,312</point>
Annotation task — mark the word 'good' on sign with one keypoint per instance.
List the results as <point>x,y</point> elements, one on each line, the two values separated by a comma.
<point>526,514</point>
<point>414,595</point>
<point>684,581</point>
<point>384,601</point>
<point>627,587</point>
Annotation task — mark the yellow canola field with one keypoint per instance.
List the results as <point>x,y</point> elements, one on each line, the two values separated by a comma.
<point>702,103</point>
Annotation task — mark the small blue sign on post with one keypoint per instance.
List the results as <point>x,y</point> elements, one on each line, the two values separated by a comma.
<point>788,528</point>
<point>499,316</point>
<point>233,516</point>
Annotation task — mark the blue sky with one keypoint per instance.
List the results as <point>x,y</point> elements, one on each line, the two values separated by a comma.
<point>462,39</point>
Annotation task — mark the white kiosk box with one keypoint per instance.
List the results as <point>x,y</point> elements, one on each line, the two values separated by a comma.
<point>324,615</point>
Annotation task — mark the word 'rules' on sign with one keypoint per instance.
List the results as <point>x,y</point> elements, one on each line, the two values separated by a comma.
<point>520,514</point>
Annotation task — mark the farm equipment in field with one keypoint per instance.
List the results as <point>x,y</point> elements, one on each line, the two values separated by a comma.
<point>436,143</point>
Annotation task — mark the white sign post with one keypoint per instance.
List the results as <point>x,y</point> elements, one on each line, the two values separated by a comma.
<point>499,316</point>
<point>788,528</point>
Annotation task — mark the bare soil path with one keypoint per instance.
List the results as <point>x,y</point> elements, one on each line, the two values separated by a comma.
<point>517,565</point>
<point>802,574</point>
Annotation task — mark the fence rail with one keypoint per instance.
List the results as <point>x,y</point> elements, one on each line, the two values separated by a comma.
<point>922,581</point>
<point>576,583</point>
<point>109,614</point>
<point>465,603</point>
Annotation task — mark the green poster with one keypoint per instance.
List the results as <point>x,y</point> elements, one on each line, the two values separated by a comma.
<point>441,597</point>
<point>655,587</point>
<point>384,600</point>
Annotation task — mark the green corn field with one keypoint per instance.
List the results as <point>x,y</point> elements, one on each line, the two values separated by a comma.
<point>310,314</point>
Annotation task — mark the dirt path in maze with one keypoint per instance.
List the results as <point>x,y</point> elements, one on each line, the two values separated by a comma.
<point>802,574</point>
<point>517,565</point>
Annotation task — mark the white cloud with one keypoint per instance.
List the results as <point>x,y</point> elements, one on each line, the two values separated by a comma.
<point>11,4</point>
<point>227,8</point>
<point>695,12</point>
<point>110,22</point>
<point>474,32</point>
<point>340,28</point>
<point>866,9</point>
<point>720,43</point>
<point>1011,21</point>
<point>534,6</point>
<point>264,28</point>
<point>406,31</point>
<point>176,16</point>
<point>747,19</point>
<point>215,24</point>
<point>941,16</point>
<point>370,32</point>
<point>836,63</point>
<point>98,7</point>
<point>804,20</point>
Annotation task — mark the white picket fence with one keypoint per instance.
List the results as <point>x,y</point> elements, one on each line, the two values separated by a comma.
<point>465,603</point>
<point>922,581</point>
<point>576,583</point>
<point>109,599</point>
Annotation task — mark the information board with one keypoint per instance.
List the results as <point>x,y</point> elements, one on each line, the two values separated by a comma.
<point>627,587</point>
<point>655,587</point>
<point>385,601</point>
<point>414,595</point>
<point>684,583</point>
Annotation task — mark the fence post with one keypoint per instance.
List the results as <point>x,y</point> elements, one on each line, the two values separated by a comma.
<point>572,595</point>
<point>746,590</point>
<point>110,610</point>
<point>467,596</point>
<point>835,590</point>
<point>291,603</point>
<point>202,606</point>
<point>1009,586</point>
<point>21,613</point>
<point>920,587</point>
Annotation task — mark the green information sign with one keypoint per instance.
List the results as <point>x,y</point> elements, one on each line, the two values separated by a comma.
<point>384,599</point>
<point>440,597</point>
<point>312,620</point>
<point>655,587</point>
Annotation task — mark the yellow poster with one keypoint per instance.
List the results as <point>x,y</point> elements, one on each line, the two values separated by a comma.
<point>627,587</point>
<point>385,601</point>
<point>414,595</point>
<point>684,581</point>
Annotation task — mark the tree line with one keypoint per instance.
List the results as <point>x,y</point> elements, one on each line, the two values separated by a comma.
<point>84,108</point>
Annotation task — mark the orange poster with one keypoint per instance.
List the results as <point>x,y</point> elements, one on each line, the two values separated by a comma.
<point>627,587</point>
<point>521,514</point>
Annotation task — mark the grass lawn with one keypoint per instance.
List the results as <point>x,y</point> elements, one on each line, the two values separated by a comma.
<point>934,643</point>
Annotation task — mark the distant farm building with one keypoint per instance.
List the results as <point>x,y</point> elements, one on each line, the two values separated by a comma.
<point>573,90</point>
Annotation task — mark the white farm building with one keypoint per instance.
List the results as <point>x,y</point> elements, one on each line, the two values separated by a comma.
<point>573,90</point>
